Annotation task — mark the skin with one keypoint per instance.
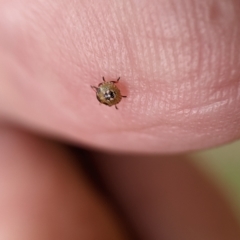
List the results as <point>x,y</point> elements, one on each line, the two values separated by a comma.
<point>179,65</point>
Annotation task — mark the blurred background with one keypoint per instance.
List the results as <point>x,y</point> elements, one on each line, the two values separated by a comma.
<point>223,166</point>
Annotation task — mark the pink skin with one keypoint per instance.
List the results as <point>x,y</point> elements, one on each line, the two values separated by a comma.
<point>45,196</point>
<point>178,61</point>
<point>179,65</point>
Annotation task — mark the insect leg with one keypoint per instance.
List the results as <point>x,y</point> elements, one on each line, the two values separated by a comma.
<point>94,88</point>
<point>116,81</point>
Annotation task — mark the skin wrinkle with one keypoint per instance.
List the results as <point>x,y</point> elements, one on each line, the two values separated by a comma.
<point>110,39</point>
<point>141,54</point>
<point>90,41</point>
<point>119,38</point>
<point>195,113</point>
<point>166,123</point>
<point>126,59</point>
<point>133,34</point>
<point>141,124</point>
<point>216,99</point>
<point>147,44</point>
<point>98,44</point>
<point>206,62</point>
<point>204,109</point>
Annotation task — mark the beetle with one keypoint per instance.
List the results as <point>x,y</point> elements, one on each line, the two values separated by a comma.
<point>108,93</point>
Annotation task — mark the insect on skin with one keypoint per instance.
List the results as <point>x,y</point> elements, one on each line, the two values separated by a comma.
<point>108,93</point>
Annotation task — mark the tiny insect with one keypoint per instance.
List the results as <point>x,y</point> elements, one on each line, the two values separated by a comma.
<point>108,93</point>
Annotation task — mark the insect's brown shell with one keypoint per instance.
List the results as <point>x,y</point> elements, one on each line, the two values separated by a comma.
<point>103,88</point>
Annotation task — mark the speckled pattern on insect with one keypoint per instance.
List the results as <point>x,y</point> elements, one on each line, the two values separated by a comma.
<point>108,93</point>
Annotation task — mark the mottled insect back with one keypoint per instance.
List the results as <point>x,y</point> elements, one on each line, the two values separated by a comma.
<point>108,93</point>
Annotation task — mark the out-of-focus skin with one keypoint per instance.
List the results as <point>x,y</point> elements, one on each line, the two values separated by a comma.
<point>167,198</point>
<point>179,65</point>
<point>45,195</point>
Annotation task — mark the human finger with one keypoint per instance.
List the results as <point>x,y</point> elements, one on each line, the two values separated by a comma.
<point>167,197</point>
<point>178,62</point>
<point>45,195</point>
